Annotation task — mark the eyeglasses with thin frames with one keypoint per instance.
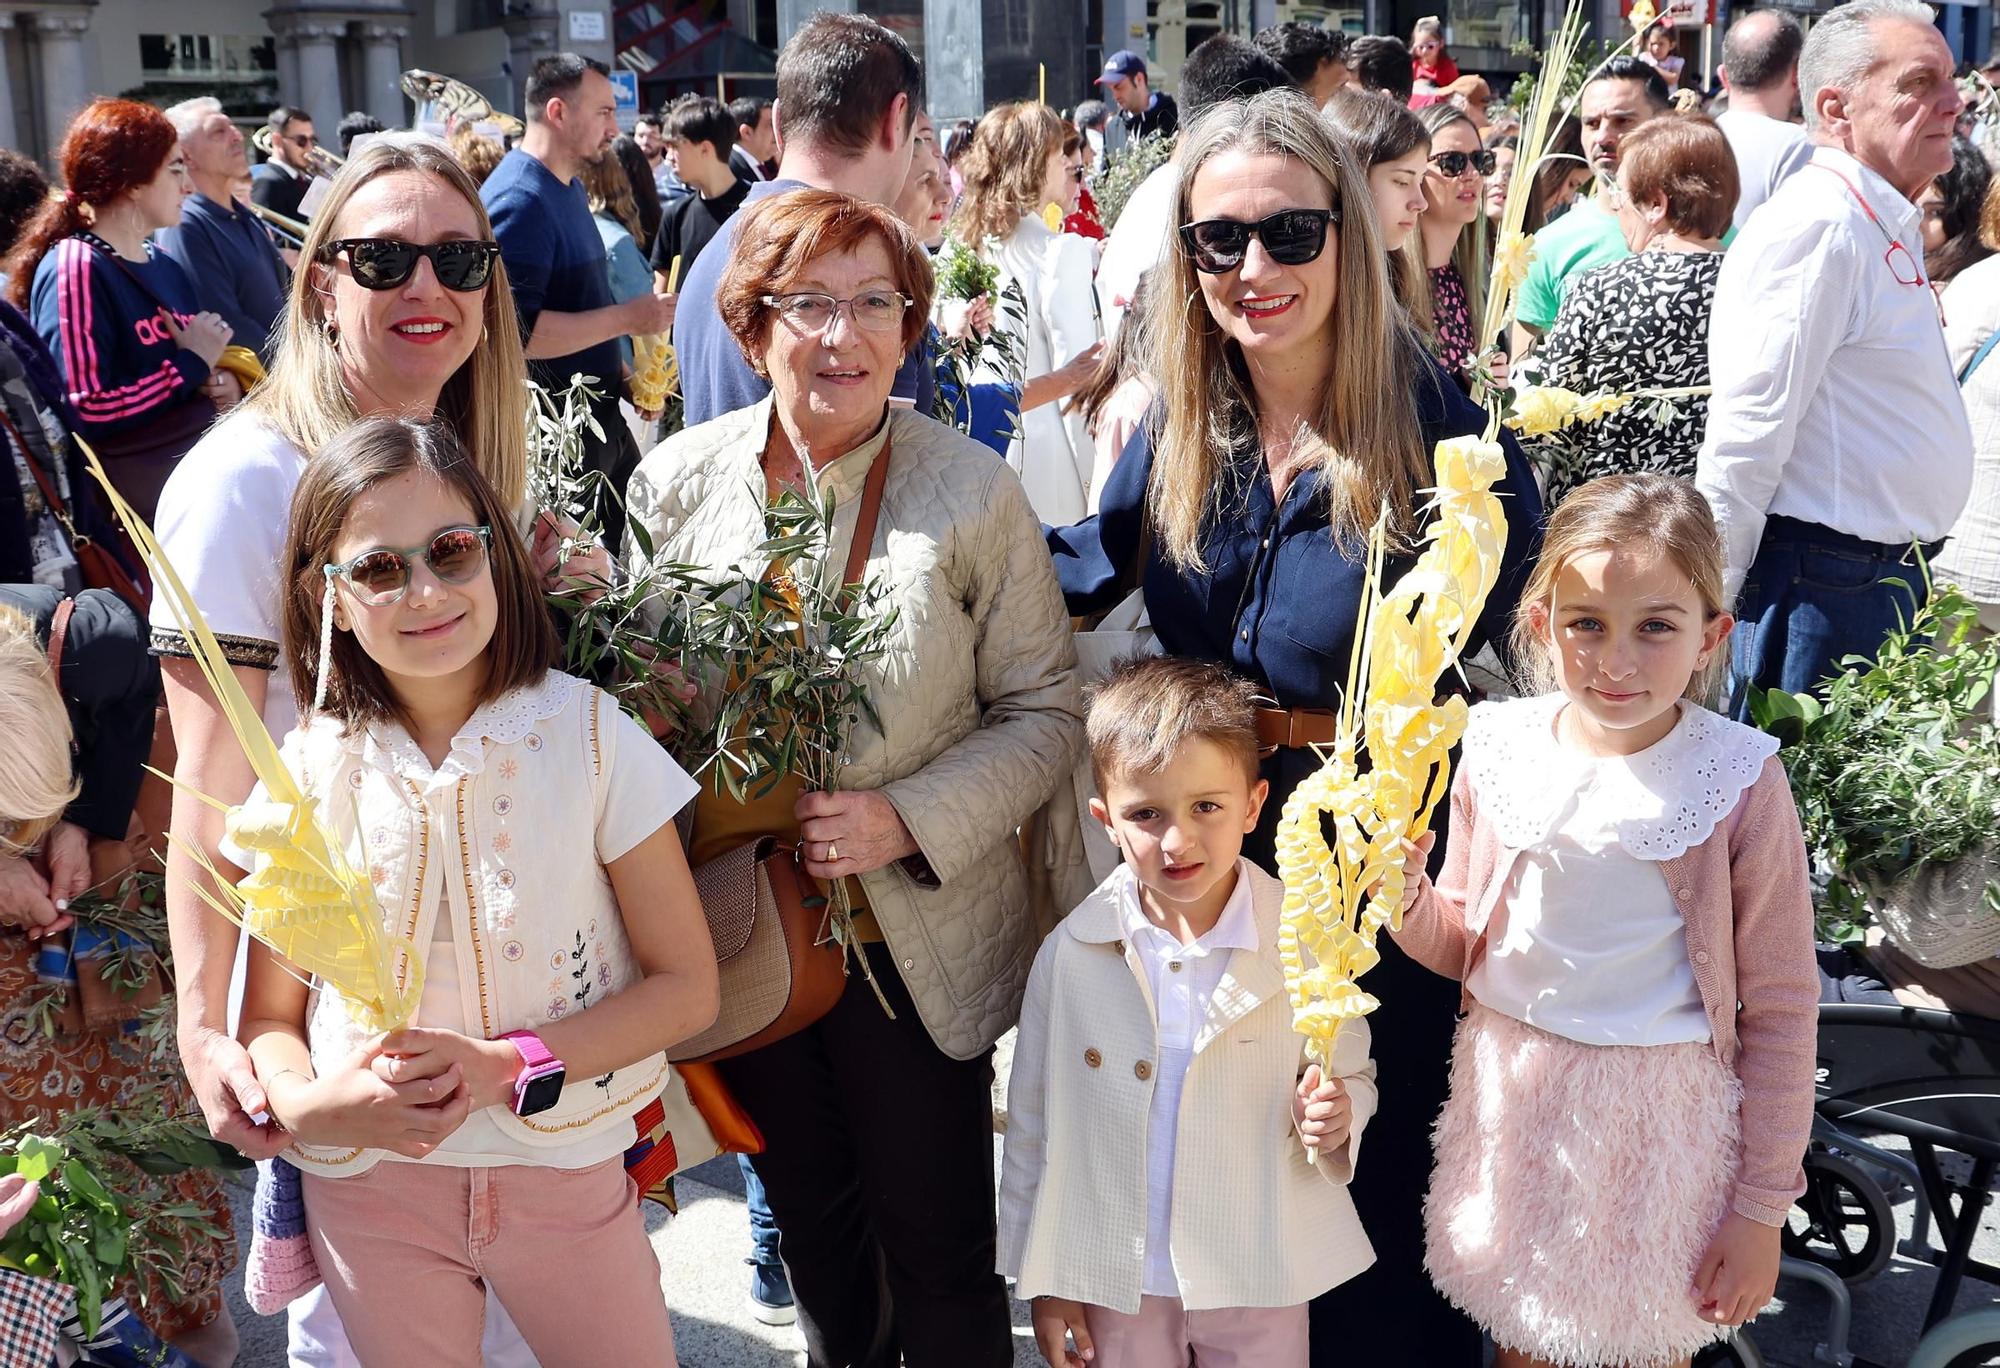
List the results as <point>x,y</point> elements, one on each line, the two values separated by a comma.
<point>810,311</point>
<point>1902,262</point>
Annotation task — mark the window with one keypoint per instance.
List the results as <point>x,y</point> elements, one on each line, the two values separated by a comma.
<point>207,57</point>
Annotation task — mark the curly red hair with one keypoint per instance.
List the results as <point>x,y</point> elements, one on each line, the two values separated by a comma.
<point>111,149</point>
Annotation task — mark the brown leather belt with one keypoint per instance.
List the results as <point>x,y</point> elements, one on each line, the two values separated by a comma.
<point>1295,728</point>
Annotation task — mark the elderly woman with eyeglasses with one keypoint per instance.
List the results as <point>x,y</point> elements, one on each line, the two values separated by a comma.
<point>878,1156</point>
<point>1297,403</point>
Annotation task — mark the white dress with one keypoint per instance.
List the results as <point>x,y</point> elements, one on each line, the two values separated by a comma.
<point>1053,453</point>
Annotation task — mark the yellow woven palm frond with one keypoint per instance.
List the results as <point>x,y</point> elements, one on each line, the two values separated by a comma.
<point>1339,894</point>
<point>307,902</point>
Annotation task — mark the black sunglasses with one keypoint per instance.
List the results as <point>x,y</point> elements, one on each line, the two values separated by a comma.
<point>384,263</point>
<point>1292,237</point>
<point>1453,164</point>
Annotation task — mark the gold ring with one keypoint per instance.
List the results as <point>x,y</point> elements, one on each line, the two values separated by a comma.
<point>832,852</point>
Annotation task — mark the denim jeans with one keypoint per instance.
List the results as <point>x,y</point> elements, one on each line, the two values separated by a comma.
<point>1812,598</point>
<point>763,1225</point>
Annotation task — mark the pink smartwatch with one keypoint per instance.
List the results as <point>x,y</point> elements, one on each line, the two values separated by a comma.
<point>540,1081</point>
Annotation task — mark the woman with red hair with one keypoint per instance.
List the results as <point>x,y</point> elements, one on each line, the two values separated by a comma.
<point>137,352</point>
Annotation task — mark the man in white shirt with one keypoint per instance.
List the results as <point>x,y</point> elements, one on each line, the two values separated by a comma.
<point>1760,70</point>
<point>1836,435</point>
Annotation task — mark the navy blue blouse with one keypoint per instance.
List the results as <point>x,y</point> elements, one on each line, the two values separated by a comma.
<point>1280,601</point>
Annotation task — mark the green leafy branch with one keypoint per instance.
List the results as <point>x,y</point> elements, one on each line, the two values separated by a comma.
<point>1894,763</point>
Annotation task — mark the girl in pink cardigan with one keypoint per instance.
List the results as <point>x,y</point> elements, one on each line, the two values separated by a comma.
<point>1625,900</point>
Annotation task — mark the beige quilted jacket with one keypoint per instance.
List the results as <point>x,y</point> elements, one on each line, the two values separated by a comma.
<point>979,702</point>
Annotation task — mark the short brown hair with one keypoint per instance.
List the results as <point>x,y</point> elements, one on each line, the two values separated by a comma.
<point>838,77</point>
<point>1144,714</point>
<point>782,235</point>
<point>1683,161</point>
<point>524,646</point>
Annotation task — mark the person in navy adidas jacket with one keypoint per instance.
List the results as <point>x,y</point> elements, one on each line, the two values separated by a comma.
<point>136,351</point>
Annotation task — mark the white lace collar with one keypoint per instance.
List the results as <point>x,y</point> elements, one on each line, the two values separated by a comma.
<point>386,746</point>
<point>1666,800</point>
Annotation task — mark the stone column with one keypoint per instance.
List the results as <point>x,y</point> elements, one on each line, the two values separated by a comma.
<point>8,137</point>
<point>288,69</point>
<point>954,59</point>
<point>531,35</point>
<point>319,71</point>
<point>792,15</point>
<point>65,82</point>
<point>381,72</point>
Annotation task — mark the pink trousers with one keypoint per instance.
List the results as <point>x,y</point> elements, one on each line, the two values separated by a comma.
<point>1164,1334</point>
<point>408,1250</point>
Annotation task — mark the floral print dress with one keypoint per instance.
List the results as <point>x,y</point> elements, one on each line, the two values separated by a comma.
<point>1640,323</point>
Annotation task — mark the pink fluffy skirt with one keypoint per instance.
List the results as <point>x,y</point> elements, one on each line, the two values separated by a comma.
<point>1576,1189</point>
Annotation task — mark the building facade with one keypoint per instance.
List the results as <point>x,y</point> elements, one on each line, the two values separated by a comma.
<point>326,58</point>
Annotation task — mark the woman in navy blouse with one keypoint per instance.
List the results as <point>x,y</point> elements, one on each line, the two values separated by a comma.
<point>1297,404</point>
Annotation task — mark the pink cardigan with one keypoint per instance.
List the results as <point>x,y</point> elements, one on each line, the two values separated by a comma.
<point>1748,907</point>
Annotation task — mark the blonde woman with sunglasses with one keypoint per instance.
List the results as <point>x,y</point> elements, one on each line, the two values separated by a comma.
<point>1297,403</point>
<point>400,307</point>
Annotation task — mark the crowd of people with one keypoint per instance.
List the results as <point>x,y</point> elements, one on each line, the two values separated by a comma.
<point>1170,426</point>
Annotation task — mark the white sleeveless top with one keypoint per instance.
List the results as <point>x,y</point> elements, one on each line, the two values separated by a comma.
<point>1586,941</point>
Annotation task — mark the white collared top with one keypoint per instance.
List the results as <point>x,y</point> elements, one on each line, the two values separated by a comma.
<point>1182,980</point>
<point>1586,940</point>
<point>1834,402</point>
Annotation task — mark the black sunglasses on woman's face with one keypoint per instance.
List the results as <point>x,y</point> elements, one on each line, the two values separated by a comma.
<point>1452,164</point>
<point>1291,237</point>
<point>462,264</point>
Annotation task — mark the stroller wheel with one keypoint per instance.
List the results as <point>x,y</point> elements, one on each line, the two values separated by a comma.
<point>1968,1341</point>
<point>1842,1221</point>
<point>1739,1351</point>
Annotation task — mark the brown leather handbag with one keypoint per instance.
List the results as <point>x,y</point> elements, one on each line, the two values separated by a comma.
<point>99,567</point>
<point>765,914</point>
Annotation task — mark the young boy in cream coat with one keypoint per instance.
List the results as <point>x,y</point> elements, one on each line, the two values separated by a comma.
<point>1174,1183</point>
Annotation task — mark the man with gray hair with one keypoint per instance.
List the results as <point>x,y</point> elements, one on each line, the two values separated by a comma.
<point>1760,70</point>
<point>225,251</point>
<point>1836,437</point>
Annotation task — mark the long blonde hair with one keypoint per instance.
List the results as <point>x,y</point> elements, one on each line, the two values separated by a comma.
<point>305,396</point>
<point>1371,450</point>
<point>1005,167</point>
<point>1469,252</point>
<point>1643,508</point>
<point>37,779</point>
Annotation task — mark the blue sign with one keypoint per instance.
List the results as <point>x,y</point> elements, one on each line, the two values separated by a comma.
<point>625,85</point>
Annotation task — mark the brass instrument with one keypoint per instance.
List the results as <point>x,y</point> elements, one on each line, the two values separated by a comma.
<point>319,161</point>
<point>290,229</point>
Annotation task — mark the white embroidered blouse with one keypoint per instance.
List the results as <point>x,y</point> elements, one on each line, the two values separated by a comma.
<point>501,851</point>
<point>1586,940</point>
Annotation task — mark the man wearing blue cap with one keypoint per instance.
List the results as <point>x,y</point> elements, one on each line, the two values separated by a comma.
<point>1141,109</point>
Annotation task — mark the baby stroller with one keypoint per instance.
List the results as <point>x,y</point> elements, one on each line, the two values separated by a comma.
<point>1932,1078</point>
